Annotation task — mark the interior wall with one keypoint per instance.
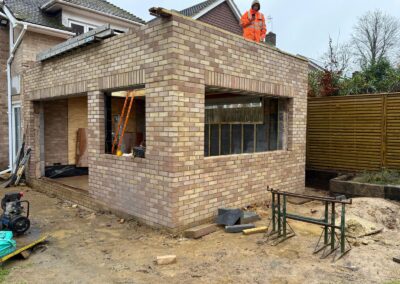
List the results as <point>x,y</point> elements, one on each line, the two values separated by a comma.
<point>135,127</point>
<point>56,132</point>
<point>77,118</point>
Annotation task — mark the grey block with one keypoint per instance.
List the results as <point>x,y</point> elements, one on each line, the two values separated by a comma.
<point>229,217</point>
<point>249,217</point>
<point>239,228</point>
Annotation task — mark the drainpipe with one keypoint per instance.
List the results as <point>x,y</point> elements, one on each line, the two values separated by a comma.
<point>13,49</point>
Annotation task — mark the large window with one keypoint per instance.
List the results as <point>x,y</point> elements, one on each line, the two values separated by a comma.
<point>244,124</point>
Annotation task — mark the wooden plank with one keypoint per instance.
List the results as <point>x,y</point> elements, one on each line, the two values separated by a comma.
<point>77,118</point>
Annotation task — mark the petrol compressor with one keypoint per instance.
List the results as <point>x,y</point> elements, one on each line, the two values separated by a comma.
<point>15,216</point>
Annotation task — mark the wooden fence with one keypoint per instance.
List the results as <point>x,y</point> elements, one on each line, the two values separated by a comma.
<point>354,133</point>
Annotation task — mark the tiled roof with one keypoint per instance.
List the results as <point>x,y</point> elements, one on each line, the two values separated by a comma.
<point>107,8</point>
<point>191,11</point>
<point>29,11</point>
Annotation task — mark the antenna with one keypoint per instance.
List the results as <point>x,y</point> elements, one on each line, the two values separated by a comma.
<point>270,20</point>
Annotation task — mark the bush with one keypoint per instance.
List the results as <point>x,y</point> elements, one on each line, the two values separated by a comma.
<point>385,176</point>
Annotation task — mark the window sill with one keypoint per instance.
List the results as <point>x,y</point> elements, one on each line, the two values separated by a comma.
<point>244,155</point>
<point>127,159</point>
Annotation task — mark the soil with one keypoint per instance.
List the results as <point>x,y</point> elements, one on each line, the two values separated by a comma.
<point>90,247</point>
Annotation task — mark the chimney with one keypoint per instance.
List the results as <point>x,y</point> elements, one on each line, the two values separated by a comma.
<point>271,39</point>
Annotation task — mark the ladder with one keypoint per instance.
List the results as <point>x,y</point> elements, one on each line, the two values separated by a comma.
<point>130,97</point>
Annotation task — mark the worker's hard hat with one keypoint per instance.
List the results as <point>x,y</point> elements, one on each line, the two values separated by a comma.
<point>256,2</point>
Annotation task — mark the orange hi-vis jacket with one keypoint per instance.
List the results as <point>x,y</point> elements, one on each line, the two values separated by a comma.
<point>254,30</point>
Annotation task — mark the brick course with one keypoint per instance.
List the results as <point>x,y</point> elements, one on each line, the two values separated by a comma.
<point>175,186</point>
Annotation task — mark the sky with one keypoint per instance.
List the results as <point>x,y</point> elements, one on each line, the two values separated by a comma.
<point>302,27</point>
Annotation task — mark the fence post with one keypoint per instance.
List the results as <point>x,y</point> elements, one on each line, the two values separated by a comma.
<point>384,132</point>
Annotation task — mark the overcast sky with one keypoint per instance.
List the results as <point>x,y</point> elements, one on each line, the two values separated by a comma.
<point>302,27</point>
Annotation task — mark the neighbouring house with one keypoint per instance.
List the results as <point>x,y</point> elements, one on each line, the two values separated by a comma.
<point>220,13</point>
<point>32,26</point>
<point>221,117</point>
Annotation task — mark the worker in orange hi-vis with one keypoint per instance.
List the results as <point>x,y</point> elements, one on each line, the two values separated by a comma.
<point>253,23</point>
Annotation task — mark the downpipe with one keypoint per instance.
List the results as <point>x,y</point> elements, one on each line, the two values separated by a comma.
<point>13,49</point>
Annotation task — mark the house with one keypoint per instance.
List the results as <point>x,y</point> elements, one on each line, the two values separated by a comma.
<point>219,124</point>
<point>37,25</point>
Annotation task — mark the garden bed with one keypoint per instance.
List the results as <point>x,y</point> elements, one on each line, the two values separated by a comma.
<point>367,185</point>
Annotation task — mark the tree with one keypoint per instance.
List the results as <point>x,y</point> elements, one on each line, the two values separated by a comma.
<point>380,77</point>
<point>376,36</point>
<point>337,58</point>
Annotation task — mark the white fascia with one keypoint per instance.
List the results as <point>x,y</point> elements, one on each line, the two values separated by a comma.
<point>231,4</point>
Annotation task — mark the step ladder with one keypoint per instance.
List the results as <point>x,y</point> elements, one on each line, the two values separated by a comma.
<point>126,111</point>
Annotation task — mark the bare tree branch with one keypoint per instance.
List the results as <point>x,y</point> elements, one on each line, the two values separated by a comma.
<point>337,58</point>
<point>376,36</point>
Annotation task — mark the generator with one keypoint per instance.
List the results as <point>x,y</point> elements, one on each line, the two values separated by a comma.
<point>15,216</point>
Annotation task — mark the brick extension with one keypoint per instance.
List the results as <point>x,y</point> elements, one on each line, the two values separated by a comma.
<point>175,186</point>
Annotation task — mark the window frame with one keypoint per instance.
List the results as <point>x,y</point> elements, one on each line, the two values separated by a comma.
<point>282,104</point>
<point>86,26</point>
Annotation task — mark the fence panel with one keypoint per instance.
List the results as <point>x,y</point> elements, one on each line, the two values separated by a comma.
<point>393,131</point>
<point>353,133</point>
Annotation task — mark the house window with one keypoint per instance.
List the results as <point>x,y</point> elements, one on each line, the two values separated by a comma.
<point>80,28</point>
<point>244,124</point>
<point>132,140</point>
<point>16,128</point>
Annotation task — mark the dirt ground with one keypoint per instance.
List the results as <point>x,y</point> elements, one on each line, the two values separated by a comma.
<point>88,247</point>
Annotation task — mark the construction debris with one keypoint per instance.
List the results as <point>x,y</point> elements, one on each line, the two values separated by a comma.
<point>19,167</point>
<point>249,217</point>
<point>166,259</point>
<point>200,231</point>
<point>396,259</point>
<point>255,231</point>
<point>239,228</point>
<point>228,217</point>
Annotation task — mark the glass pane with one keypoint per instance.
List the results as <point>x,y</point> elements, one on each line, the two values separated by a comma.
<point>236,144</point>
<point>78,29</point>
<point>273,129</point>
<point>261,138</point>
<point>206,140</point>
<point>248,146</point>
<point>214,135</point>
<point>17,120</point>
<point>225,139</point>
<point>282,124</point>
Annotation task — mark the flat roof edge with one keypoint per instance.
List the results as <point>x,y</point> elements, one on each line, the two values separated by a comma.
<point>165,13</point>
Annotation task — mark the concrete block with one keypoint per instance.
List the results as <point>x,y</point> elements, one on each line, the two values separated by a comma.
<point>249,217</point>
<point>239,228</point>
<point>166,259</point>
<point>229,217</point>
<point>200,231</point>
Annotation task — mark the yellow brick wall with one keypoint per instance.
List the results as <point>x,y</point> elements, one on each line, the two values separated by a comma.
<point>176,186</point>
